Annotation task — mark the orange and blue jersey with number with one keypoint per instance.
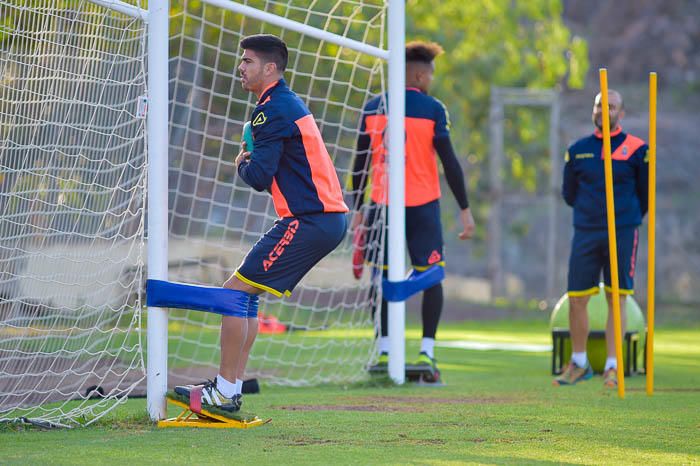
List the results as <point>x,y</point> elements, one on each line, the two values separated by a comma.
<point>290,159</point>
<point>583,185</point>
<point>426,120</point>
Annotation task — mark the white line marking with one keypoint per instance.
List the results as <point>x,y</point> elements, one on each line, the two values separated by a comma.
<point>481,346</point>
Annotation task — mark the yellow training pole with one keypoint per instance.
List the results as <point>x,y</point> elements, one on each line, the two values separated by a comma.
<point>612,233</point>
<point>652,234</point>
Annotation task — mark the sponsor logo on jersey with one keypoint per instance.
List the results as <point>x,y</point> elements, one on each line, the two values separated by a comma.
<point>260,119</point>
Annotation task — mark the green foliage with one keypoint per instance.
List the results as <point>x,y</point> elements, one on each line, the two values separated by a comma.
<point>6,28</point>
<point>498,43</point>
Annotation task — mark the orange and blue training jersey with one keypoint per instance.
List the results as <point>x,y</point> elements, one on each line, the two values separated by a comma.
<point>583,185</point>
<point>289,158</point>
<point>427,129</point>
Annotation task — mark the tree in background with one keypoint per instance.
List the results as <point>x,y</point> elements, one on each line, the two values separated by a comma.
<point>487,42</point>
<point>499,43</point>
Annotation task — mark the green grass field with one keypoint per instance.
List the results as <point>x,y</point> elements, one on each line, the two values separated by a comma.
<point>498,407</point>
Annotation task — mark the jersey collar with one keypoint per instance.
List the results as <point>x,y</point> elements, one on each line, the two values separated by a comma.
<point>268,90</point>
<point>414,89</point>
<point>597,133</point>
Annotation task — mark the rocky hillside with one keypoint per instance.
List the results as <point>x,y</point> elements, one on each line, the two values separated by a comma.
<point>633,37</point>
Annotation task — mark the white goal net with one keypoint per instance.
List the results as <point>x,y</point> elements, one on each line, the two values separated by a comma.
<point>73,185</point>
<point>215,218</point>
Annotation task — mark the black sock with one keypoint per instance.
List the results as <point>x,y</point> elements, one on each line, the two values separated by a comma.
<point>431,310</point>
<point>385,318</point>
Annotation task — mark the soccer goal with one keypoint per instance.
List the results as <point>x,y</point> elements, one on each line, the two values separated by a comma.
<point>107,107</point>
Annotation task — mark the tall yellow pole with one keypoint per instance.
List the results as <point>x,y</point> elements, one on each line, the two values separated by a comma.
<point>612,233</point>
<point>652,234</point>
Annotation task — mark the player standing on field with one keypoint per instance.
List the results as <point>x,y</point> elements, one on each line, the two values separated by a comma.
<point>291,162</point>
<point>584,190</point>
<point>427,132</point>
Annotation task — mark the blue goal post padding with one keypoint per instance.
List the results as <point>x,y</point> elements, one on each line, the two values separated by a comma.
<point>416,282</point>
<point>160,293</point>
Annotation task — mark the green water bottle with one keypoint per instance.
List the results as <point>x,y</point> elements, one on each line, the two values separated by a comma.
<point>248,136</point>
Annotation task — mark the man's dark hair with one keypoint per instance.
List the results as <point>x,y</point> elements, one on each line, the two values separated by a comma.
<point>271,49</point>
<point>422,52</point>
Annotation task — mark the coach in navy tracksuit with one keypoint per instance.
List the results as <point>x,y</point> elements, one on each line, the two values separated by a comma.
<point>291,162</point>
<point>584,190</point>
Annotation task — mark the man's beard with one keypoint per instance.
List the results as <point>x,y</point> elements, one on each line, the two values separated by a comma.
<point>599,124</point>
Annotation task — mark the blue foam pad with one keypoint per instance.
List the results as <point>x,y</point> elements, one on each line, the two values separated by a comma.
<point>160,293</point>
<point>253,306</point>
<point>415,283</point>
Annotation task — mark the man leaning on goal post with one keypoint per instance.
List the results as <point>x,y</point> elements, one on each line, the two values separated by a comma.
<point>290,161</point>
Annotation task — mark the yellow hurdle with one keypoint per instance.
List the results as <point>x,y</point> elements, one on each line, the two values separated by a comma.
<point>612,232</point>
<point>649,363</point>
<point>208,419</point>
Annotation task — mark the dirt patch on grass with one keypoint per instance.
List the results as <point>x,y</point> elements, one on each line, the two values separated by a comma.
<point>365,408</point>
<point>430,400</point>
<point>305,441</point>
<point>406,439</point>
<point>409,404</point>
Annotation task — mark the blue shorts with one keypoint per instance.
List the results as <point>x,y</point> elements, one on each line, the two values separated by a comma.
<point>281,258</point>
<point>590,254</point>
<point>423,235</point>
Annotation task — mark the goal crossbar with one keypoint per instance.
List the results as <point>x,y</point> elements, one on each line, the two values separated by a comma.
<point>255,13</point>
<point>122,7</point>
<point>295,26</point>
